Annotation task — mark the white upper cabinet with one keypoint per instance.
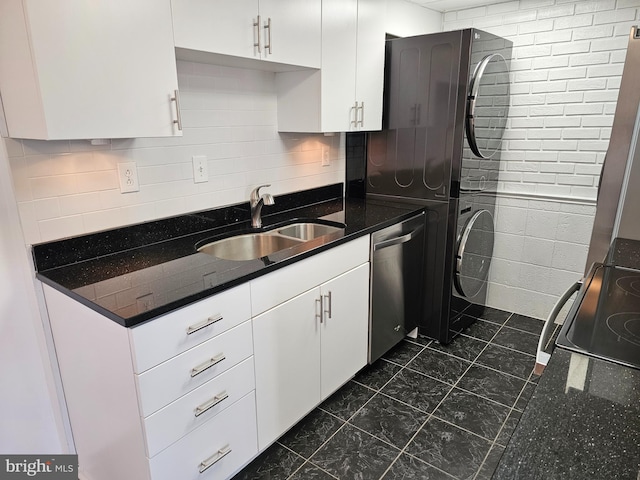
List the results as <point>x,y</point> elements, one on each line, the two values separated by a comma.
<point>80,69</point>
<point>346,95</point>
<point>278,31</point>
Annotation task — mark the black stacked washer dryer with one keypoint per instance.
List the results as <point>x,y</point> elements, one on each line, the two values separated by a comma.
<point>445,110</point>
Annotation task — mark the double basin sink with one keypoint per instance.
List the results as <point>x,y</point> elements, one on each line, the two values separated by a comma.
<point>250,246</point>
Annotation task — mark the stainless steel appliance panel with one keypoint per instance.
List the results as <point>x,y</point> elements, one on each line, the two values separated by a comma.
<point>396,284</point>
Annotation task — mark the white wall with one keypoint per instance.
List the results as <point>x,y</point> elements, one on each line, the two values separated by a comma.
<point>30,417</point>
<point>67,188</point>
<point>568,60</point>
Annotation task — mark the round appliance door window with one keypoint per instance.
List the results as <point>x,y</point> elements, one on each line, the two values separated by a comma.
<point>475,250</point>
<point>488,106</point>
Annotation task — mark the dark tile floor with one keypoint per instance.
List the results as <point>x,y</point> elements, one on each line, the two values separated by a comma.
<point>423,411</point>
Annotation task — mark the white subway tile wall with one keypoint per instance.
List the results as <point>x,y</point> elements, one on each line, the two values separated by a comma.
<point>67,188</point>
<point>567,63</point>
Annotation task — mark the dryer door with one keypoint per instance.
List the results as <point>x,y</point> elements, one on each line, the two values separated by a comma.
<point>488,105</point>
<point>475,249</point>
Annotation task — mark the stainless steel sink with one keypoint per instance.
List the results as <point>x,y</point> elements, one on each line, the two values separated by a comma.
<point>307,231</point>
<point>249,246</point>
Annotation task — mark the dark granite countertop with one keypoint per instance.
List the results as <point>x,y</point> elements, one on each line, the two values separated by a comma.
<point>134,274</point>
<point>624,253</point>
<point>583,422</point>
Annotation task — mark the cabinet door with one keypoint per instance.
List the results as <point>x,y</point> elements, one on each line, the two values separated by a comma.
<point>221,26</point>
<point>287,359</point>
<point>344,328</point>
<point>339,29</point>
<point>294,36</point>
<point>79,69</point>
<point>370,64</point>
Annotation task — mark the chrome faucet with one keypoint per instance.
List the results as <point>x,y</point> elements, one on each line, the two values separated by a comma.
<point>256,201</point>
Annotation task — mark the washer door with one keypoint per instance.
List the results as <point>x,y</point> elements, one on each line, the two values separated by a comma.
<point>475,250</point>
<point>488,105</point>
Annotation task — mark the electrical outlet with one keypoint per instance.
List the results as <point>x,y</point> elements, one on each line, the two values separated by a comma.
<point>200,169</point>
<point>326,161</point>
<point>128,177</point>
<point>145,303</point>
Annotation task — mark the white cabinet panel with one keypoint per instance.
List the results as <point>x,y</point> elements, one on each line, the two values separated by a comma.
<point>345,328</point>
<point>163,384</point>
<point>167,336</point>
<point>179,418</point>
<point>77,69</point>
<point>233,431</point>
<point>287,359</point>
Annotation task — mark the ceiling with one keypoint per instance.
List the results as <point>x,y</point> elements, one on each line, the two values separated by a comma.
<point>448,5</point>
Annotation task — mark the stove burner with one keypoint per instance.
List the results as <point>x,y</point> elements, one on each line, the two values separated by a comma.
<point>626,326</point>
<point>630,284</point>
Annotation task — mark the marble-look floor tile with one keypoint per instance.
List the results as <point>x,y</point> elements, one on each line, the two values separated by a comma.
<point>438,365</point>
<point>525,396</point>
<point>275,463</point>
<point>507,361</point>
<point>493,385</point>
<point>403,352</point>
<point>464,347</point>
<point>508,427</point>
<point>482,329</point>
<point>416,389</point>
<point>517,340</point>
<point>487,313</point>
<point>527,324</point>
<point>376,375</point>
<point>311,432</point>
<point>310,472</point>
<point>473,413</point>
<point>407,467</point>
<point>449,448</point>
<point>490,463</point>
<point>355,455</point>
<point>389,420</point>
<point>348,400</point>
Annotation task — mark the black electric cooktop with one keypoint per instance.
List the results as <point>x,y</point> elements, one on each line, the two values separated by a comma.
<point>606,323</point>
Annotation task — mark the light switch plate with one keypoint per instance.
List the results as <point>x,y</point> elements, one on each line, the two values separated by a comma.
<point>128,177</point>
<point>200,169</point>
<point>326,161</point>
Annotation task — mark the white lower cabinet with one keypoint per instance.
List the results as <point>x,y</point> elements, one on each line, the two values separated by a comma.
<point>306,347</point>
<point>197,393</point>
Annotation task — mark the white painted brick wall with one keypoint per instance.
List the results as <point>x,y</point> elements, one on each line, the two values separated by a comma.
<point>568,60</point>
<point>67,188</point>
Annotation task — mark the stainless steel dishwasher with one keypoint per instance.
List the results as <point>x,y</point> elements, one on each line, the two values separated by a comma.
<point>396,283</point>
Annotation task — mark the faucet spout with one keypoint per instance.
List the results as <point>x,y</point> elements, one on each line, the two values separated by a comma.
<point>256,202</point>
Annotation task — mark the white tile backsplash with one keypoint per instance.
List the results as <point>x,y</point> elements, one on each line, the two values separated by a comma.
<point>67,188</point>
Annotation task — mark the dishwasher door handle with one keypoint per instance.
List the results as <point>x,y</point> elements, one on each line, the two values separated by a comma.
<point>397,240</point>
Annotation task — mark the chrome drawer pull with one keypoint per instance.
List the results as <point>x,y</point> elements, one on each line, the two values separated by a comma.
<point>208,364</point>
<point>215,458</point>
<point>203,324</point>
<point>257,25</point>
<point>328,297</point>
<point>176,98</point>
<point>211,403</point>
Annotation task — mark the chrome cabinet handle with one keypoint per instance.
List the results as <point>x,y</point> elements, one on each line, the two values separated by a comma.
<point>199,326</point>
<point>320,309</point>
<point>354,109</point>
<point>257,25</point>
<point>267,46</point>
<point>215,458</point>
<point>361,121</point>
<point>397,240</point>
<point>209,404</point>
<point>208,364</point>
<point>178,120</point>
<point>328,297</point>
<point>542,357</point>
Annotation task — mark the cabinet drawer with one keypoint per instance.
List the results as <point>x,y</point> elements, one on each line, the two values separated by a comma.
<point>273,289</point>
<point>179,418</point>
<point>170,380</point>
<point>169,335</point>
<point>234,430</point>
